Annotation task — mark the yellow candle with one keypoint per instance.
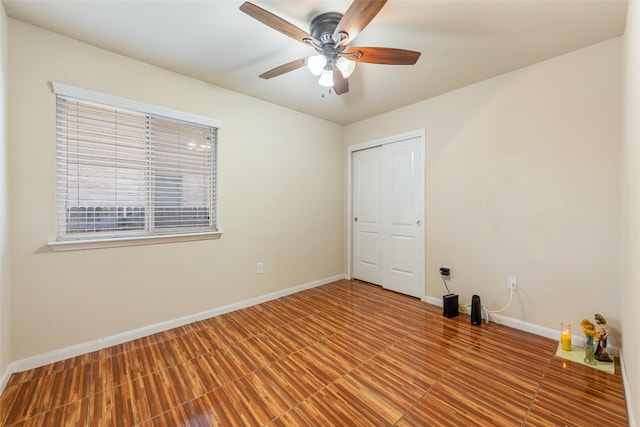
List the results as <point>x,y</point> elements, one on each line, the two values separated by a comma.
<point>565,339</point>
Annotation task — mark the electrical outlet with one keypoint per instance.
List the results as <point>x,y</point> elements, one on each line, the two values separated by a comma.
<point>260,268</point>
<point>512,283</point>
<point>445,271</point>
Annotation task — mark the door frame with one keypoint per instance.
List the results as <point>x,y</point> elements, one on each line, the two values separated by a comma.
<point>418,133</point>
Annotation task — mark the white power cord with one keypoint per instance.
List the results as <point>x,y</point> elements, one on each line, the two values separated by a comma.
<point>488,312</point>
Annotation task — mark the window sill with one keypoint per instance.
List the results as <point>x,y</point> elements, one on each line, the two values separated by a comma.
<point>78,245</point>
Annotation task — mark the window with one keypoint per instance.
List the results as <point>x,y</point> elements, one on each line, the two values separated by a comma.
<point>128,170</point>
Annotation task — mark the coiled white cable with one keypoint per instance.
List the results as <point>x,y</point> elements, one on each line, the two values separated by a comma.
<point>488,312</point>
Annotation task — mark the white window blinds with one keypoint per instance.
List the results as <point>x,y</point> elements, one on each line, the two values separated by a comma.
<point>123,173</point>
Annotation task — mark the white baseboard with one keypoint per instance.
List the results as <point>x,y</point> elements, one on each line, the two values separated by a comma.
<point>4,378</point>
<point>533,328</point>
<point>433,301</point>
<point>631,411</point>
<point>88,347</point>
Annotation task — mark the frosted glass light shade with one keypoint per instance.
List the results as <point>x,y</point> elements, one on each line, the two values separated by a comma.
<point>326,78</point>
<point>316,64</point>
<point>345,66</point>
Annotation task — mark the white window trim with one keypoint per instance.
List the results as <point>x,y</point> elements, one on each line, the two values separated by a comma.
<point>102,98</point>
<point>78,245</point>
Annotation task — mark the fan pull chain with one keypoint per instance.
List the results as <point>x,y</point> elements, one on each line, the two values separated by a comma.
<point>323,92</point>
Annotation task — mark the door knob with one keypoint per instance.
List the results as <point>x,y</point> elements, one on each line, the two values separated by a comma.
<point>419,222</point>
<point>355,219</point>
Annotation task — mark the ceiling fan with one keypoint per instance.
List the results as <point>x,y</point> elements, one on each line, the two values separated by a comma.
<point>331,34</point>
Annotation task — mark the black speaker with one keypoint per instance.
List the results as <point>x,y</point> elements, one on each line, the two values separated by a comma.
<point>476,310</point>
<point>450,305</point>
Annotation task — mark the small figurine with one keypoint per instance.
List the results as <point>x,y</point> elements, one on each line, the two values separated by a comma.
<point>602,330</point>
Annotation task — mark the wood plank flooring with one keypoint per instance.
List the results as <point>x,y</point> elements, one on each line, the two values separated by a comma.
<point>347,353</point>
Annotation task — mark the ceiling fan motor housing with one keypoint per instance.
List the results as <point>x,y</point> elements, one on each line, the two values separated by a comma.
<point>323,26</point>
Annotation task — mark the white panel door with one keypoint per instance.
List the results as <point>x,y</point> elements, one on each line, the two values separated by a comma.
<point>403,194</point>
<point>367,215</point>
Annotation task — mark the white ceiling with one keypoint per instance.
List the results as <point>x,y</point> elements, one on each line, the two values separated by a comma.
<point>462,42</point>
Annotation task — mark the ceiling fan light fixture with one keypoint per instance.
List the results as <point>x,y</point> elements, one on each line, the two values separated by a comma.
<point>345,66</point>
<point>316,64</point>
<point>326,78</point>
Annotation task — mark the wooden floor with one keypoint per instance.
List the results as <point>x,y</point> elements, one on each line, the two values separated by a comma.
<point>343,354</point>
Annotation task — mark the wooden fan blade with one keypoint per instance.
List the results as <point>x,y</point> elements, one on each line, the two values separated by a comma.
<point>275,22</point>
<point>358,16</point>
<point>340,84</point>
<point>384,55</point>
<point>285,68</point>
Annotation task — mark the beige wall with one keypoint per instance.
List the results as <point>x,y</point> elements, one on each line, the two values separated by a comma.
<point>631,211</point>
<point>281,202</point>
<point>5,333</point>
<point>522,179</point>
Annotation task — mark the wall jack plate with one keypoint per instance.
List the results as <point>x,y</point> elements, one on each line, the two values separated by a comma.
<point>445,271</point>
<point>512,283</point>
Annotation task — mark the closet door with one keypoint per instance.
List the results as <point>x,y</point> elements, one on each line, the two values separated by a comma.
<point>367,215</point>
<point>403,213</point>
<point>388,215</point>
